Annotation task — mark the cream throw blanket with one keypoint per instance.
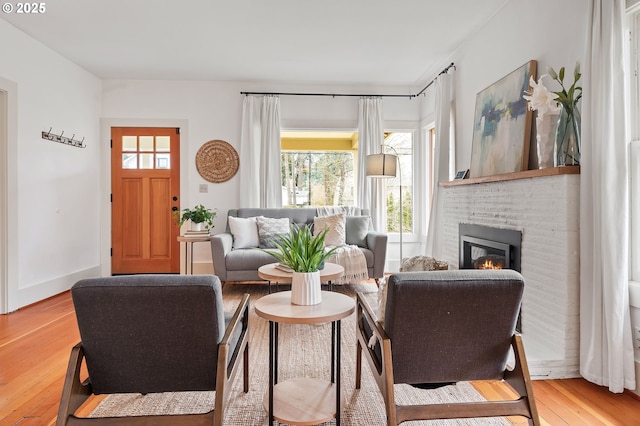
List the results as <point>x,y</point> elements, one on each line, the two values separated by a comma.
<point>331,210</point>
<point>354,263</point>
<point>350,257</point>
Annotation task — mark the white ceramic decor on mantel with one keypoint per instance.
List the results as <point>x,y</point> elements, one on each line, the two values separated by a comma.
<point>546,138</point>
<point>305,288</point>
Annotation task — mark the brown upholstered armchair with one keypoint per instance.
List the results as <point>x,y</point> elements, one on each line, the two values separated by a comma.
<point>154,333</point>
<point>443,327</point>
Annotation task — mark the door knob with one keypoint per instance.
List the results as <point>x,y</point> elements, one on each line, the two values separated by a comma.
<point>174,208</point>
<point>175,198</point>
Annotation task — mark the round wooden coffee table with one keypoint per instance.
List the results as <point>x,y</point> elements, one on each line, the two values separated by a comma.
<point>304,401</point>
<point>269,272</point>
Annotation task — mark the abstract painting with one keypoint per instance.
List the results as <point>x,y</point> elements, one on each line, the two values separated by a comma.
<point>502,125</point>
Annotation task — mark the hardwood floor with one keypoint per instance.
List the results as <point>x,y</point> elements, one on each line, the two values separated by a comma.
<point>34,350</point>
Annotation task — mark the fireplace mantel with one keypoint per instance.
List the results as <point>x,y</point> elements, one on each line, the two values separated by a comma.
<point>527,174</point>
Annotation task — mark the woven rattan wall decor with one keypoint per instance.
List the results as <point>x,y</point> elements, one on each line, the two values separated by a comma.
<point>217,161</point>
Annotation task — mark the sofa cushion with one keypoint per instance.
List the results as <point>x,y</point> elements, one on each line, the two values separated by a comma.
<point>336,235</point>
<point>247,259</point>
<point>244,231</point>
<point>271,229</point>
<point>357,228</point>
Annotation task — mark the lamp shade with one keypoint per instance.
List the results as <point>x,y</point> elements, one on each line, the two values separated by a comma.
<point>381,165</point>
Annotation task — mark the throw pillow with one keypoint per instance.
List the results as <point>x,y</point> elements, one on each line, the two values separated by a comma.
<point>337,229</point>
<point>270,230</point>
<point>357,229</point>
<point>244,231</point>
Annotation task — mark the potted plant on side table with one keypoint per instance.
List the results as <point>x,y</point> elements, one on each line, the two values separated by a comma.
<point>305,254</point>
<point>200,217</point>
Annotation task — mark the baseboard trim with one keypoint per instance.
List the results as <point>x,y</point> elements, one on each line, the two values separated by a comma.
<point>45,289</point>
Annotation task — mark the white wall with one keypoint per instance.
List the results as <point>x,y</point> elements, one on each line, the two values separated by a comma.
<point>213,110</point>
<point>549,31</point>
<point>54,189</point>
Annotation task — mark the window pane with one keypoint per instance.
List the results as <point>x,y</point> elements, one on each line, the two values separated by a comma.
<point>162,161</point>
<point>129,143</point>
<point>129,161</point>
<point>163,143</point>
<point>146,161</point>
<point>146,143</point>
<point>317,178</point>
<point>402,143</point>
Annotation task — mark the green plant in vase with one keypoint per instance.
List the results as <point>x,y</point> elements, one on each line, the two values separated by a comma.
<point>301,251</point>
<point>305,254</point>
<point>199,215</point>
<point>568,132</point>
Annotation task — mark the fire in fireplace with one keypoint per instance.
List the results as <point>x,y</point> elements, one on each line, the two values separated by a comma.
<point>483,247</point>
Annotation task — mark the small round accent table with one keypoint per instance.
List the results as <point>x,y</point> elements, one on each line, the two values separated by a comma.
<point>188,243</point>
<point>304,401</point>
<point>269,272</point>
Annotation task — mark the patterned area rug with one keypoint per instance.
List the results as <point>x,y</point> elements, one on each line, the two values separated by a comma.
<point>304,352</point>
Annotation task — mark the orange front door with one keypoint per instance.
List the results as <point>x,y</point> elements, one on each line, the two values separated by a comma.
<point>145,185</point>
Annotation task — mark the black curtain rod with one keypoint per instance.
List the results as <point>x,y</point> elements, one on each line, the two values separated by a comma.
<point>444,71</point>
<point>350,94</point>
<point>326,94</point>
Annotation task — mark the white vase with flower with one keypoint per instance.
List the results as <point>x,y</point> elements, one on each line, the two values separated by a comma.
<point>541,100</point>
<point>560,107</point>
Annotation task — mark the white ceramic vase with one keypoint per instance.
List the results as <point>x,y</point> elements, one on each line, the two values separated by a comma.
<point>546,139</point>
<point>305,288</point>
<point>197,226</point>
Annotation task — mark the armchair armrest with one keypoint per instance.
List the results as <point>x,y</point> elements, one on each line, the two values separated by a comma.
<point>239,323</point>
<point>228,356</point>
<point>367,314</point>
<point>380,366</point>
<point>377,243</point>
<point>221,244</point>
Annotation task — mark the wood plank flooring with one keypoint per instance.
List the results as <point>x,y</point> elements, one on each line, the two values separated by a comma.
<point>34,350</point>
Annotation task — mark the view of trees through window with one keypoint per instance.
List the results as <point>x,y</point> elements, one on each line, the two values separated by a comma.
<point>402,143</point>
<point>317,178</point>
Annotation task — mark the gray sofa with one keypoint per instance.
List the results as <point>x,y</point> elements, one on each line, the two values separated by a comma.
<point>231,264</point>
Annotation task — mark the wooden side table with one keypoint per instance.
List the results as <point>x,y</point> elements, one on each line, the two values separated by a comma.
<point>188,243</point>
<point>304,401</point>
<point>269,272</point>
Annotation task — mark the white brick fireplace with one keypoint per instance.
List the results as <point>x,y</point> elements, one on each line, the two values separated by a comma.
<point>544,206</point>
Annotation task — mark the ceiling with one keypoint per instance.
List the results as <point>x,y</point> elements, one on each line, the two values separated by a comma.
<point>351,42</point>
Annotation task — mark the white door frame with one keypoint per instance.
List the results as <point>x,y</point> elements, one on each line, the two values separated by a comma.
<point>105,137</point>
<point>8,193</point>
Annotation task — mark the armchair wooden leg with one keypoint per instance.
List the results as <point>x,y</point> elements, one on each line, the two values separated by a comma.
<point>74,392</point>
<point>520,380</point>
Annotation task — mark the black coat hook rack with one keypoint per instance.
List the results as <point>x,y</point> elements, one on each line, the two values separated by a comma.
<point>63,139</point>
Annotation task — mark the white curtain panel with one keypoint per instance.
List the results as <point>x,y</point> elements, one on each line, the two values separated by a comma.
<point>260,184</point>
<point>270,167</point>
<point>370,140</point>
<point>606,347</point>
<point>444,164</point>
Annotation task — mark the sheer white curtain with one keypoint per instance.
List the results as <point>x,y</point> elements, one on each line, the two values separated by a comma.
<point>606,347</point>
<point>444,157</point>
<point>260,184</point>
<point>370,140</point>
